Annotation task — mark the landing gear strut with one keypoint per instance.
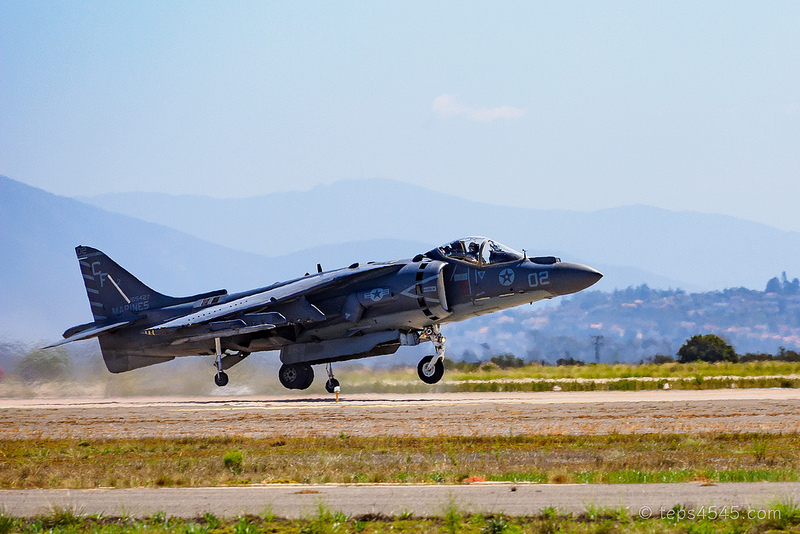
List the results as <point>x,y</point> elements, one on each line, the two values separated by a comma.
<point>332,383</point>
<point>431,368</point>
<point>221,378</point>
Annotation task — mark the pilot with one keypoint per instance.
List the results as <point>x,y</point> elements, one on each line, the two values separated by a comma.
<point>474,250</point>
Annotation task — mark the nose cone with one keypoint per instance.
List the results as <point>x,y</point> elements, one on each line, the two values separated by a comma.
<point>572,277</point>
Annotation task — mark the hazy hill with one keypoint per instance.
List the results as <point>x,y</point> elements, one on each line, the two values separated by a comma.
<point>691,250</point>
<point>41,289</point>
<point>636,323</point>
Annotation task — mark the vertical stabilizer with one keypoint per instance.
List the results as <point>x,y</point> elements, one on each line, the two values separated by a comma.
<point>113,291</point>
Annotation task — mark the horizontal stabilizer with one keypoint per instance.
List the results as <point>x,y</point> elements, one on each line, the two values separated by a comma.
<point>92,331</point>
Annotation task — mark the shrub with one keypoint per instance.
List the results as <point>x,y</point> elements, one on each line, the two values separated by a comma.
<point>569,361</point>
<point>660,359</point>
<point>233,461</point>
<point>467,367</point>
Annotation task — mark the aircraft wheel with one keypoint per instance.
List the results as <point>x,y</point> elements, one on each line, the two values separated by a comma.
<point>221,378</point>
<point>296,375</point>
<point>308,374</point>
<point>426,373</point>
<point>331,385</point>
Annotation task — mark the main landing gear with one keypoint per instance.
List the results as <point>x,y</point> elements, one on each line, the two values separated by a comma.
<point>431,368</point>
<point>296,375</point>
<point>301,375</point>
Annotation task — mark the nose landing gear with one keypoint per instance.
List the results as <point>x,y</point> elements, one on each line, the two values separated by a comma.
<point>429,370</point>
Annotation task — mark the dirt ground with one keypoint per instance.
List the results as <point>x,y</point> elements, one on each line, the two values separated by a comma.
<point>467,414</point>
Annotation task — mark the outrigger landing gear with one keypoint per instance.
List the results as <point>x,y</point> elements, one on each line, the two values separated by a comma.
<point>221,378</point>
<point>431,368</point>
<point>332,383</point>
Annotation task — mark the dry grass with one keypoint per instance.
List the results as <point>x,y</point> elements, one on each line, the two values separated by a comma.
<point>554,459</point>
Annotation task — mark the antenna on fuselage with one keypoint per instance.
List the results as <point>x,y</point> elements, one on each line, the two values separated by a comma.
<point>319,268</point>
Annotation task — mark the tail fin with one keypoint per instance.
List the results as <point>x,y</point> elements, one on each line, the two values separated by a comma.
<point>113,291</point>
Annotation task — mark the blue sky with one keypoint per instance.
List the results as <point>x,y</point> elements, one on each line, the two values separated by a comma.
<point>574,105</point>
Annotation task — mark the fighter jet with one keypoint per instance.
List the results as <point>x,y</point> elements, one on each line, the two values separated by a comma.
<point>356,312</point>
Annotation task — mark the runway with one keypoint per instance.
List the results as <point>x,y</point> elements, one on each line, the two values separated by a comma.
<point>446,414</point>
<point>295,501</point>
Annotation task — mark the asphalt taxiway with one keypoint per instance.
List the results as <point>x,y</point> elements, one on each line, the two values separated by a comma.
<point>294,501</point>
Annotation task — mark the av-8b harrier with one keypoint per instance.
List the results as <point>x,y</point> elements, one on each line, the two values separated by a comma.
<point>345,314</point>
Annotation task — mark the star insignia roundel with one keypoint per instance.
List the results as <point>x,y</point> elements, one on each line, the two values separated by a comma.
<point>506,277</point>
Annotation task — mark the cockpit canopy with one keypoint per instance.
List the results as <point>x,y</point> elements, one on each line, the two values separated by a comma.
<point>478,250</point>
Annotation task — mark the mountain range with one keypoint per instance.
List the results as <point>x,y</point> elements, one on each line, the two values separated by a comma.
<point>187,244</point>
<point>631,245</point>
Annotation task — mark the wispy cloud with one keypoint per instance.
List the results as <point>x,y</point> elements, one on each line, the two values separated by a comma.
<point>446,106</point>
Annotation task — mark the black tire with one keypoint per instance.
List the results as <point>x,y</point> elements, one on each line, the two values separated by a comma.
<point>331,385</point>
<point>221,379</point>
<point>296,375</point>
<point>289,375</point>
<point>308,375</point>
<point>438,370</point>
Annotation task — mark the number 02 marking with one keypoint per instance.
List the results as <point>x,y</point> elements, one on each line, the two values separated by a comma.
<point>539,279</point>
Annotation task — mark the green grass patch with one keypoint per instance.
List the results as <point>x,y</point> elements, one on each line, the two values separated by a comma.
<point>618,371</point>
<point>624,377</point>
<point>189,462</point>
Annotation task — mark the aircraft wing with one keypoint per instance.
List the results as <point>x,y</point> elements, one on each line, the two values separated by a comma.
<point>92,331</point>
<point>291,294</point>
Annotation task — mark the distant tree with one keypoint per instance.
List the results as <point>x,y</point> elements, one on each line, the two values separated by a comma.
<point>507,361</point>
<point>786,355</point>
<point>706,348</point>
<point>774,286</point>
<point>791,356</point>
<point>792,288</point>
